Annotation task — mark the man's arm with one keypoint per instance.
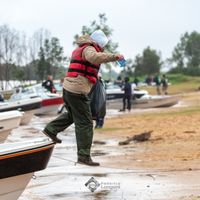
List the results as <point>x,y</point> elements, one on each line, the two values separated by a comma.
<point>94,57</point>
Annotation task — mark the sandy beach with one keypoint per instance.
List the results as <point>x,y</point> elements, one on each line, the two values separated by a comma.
<point>164,167</point>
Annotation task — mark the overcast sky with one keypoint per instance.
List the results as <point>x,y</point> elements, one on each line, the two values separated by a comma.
<point>136,23</point>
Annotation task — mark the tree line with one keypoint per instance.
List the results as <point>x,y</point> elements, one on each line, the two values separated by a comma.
<point>185,57</point>
<point>33,58</point>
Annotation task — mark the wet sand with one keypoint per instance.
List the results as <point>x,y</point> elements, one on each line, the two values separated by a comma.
<point>165,167</point>
<point>174,142</point>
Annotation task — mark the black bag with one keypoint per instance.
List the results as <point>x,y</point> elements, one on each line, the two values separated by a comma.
<point>98,100</point>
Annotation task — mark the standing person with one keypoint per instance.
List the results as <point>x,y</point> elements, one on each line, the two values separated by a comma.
<point>48,84</point>
<point>127,95</point>
<point>164,83</point>
<point>80,77</point>
<point>158,83</point>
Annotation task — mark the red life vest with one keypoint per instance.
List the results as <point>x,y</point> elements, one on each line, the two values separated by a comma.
<point>80,66</point>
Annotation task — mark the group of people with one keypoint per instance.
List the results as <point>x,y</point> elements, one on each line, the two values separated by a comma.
<point>161,83</point>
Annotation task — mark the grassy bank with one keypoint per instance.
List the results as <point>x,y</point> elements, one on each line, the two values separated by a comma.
<point>178,84</point>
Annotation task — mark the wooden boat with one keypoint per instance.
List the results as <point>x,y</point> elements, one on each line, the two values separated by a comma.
<point>18,162</point>
<point>8,121</point>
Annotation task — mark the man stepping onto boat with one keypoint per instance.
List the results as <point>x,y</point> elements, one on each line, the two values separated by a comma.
<point>81,76</point>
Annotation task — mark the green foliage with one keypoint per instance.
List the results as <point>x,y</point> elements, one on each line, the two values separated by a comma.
<point>149,63</point>
<point>60,72</point>
<point>186,54</point>
<point>42,65</point>
<point>18,73</point>
<point>192,71</point>
<point>181,78</point>
<point>50,58</point>
<point>178,78</point>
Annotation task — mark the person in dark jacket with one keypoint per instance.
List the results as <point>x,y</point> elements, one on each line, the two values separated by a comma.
<point>164,83</point>
<point>48,84</point>
<point>127,95</point>
<point>158,83</point>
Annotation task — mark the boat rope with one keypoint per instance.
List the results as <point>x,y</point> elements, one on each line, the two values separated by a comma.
<point>64,159</point>
<point>136,171</point>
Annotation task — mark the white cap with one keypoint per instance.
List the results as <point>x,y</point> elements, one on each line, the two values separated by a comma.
<point>100,38</point>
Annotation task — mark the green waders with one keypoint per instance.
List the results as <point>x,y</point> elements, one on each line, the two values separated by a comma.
<point>79,113</point>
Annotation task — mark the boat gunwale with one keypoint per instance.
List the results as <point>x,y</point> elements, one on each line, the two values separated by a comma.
<point>25,151</point>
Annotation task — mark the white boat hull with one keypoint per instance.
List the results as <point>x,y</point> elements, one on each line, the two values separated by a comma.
<point>142,103</point>
<point>28,106</point>
<point>8,121</point>
<point>18,162</point>
<point>27,116</point>
<point>156,102</point>
<point>47,110</point>
<point>114,104</point>
<point>11,188</point>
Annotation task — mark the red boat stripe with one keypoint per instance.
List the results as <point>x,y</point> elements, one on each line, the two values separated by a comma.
<point>52,101</point>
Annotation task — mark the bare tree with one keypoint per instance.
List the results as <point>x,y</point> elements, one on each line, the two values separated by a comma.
<point>36,42</point>
<point>9,39</point>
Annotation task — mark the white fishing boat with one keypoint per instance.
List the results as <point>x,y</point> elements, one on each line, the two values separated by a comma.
<point>8,121</point>
<point>50,101</point>
<point>114,92</point>
<point>28,105</point>
<point>114,95</point>
<point>156,101</point>
<point>146,101</point>
<point>18,163</point>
